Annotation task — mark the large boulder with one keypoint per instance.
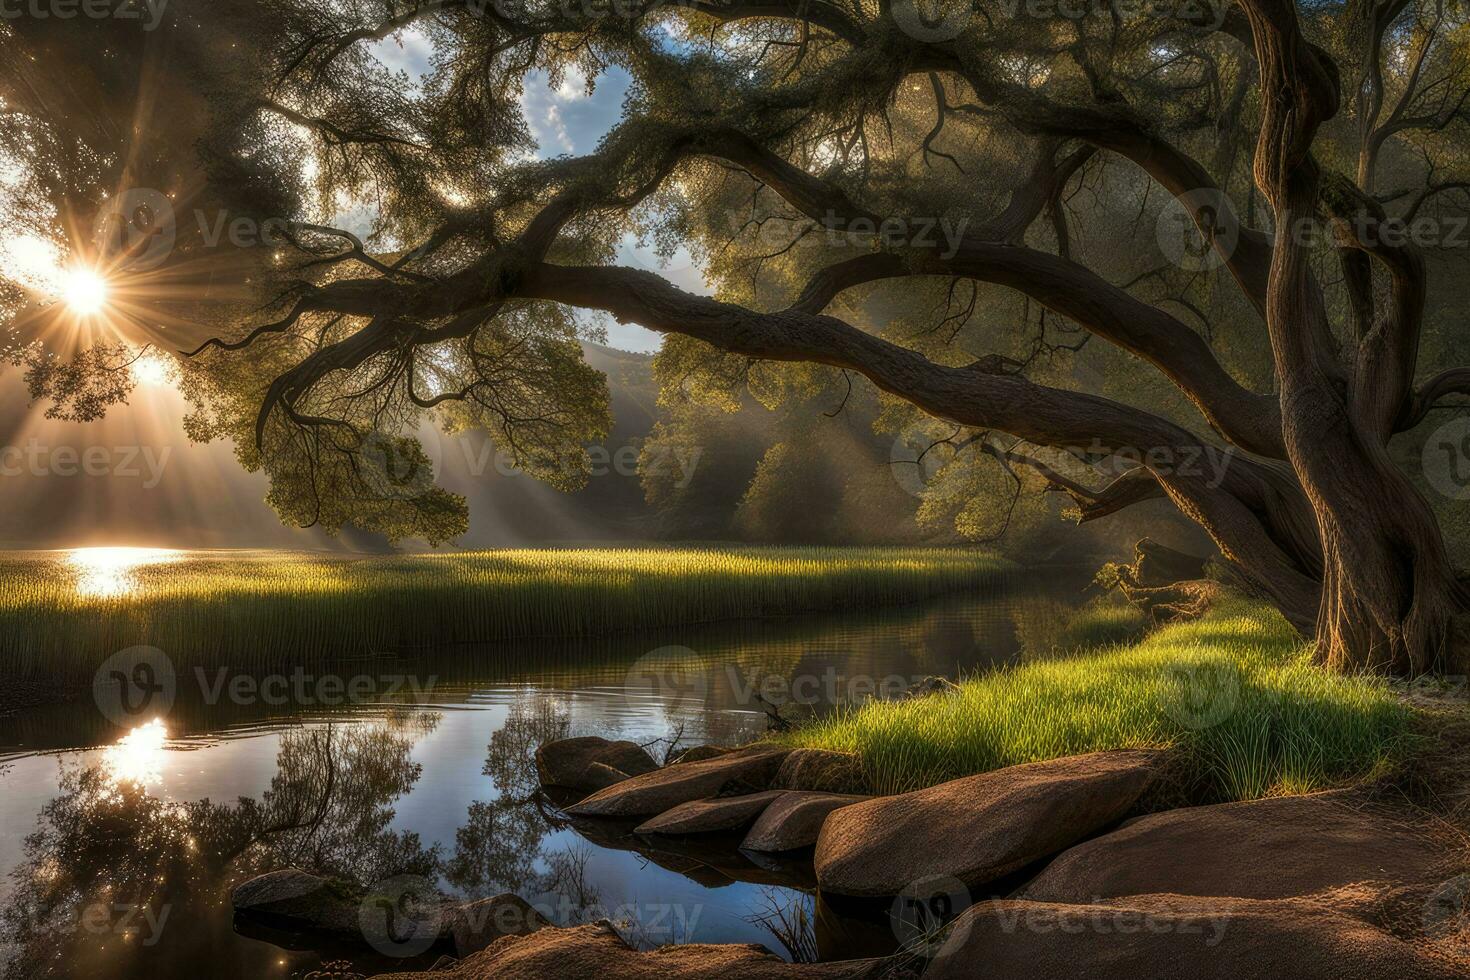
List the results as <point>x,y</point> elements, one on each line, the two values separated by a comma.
<point>795,821</point>
<point>475,925</point>
<point>1176,936</point>
<point>744,771</point>
<point>596,951</point>
<point>1276,848</point>
<point>710,816</point>
<point>979,828</point>
<point>297,901</point>
<point>568,763</point>
<point>822,771</point>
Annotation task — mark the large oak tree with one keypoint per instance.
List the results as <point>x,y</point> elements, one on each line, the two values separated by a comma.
<point>869,183</point>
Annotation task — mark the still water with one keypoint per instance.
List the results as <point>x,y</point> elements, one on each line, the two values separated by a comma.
<point>119,843</point>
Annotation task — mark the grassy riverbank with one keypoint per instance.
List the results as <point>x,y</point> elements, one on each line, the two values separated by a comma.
<point>61,612</point>
<point>1234,692</point>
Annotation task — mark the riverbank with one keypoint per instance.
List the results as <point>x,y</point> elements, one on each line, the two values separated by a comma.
<point>1207,778</point>
<point>1234,694</point>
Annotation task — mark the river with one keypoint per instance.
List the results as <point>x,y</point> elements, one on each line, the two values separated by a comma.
<point>120,834</point>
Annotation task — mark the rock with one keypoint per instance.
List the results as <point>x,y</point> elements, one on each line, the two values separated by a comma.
<point>745,770</point>
<point>710,816</point>
<point>700,753</point>
<point>594,951</point>
<point>1276,848</point>
<point>478,924</point>
<point>565,763</point>
<point>1176,936</point>
<point>294,900</point>
<point>979,828</point>
<point>929,686</point>
<point>795,820</point>
<point>821,771</point>
<point>600,775</point>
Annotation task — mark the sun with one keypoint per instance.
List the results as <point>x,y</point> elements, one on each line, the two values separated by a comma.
<point>85,292</point>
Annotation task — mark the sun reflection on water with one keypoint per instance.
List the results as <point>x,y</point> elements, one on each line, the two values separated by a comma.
<point>104,573</point>
<point>138,756</point>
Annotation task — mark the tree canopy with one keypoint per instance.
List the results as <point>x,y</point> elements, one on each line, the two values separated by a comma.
<point>1062,239</point>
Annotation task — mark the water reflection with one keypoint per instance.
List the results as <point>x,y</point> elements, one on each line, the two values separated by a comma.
<point>105,573</point>
<point>498,847</point>
<point>121,882</point>
<point>170,815</point>
<point>137,757</point>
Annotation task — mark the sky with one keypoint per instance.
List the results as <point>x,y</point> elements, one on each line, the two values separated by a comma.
<point>564,119</point>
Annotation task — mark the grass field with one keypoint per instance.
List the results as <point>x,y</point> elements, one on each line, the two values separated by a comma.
<point>61,612</point>
<point>1234,692</point>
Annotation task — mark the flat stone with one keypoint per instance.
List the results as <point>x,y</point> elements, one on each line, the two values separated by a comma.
<point>823,771</point>
<point>565,763</point>
<point>1176,936</point>
<point>596,951</point>
<point>979,828</point>
<point>710,816</point>
<point>476,925</point>
<point>795,820</point>
<point>1275,848</point>
<point>744,771</point>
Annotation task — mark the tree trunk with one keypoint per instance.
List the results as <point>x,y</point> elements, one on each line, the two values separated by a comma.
<point>1390,597</point>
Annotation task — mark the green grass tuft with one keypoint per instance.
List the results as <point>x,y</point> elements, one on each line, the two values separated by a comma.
<point>1234,692</point>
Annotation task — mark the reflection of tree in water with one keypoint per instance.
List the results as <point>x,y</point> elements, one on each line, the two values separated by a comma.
<point>329,805</point>
<point>498,848</point>
<point>109,848</point>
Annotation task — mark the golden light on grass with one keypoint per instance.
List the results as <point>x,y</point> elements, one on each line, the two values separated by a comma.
<point>84,291</point>
<point>104,573</point>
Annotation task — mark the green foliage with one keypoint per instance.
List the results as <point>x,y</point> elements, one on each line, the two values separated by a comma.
<point>282,110</point>
<point>1235,693</point>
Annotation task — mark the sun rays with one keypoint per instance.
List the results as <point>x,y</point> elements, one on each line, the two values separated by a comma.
<point>84,292</point>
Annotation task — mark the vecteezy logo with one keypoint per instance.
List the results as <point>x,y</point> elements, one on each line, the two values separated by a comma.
<point>135,685</point>
<point>1198,230</point>
<point>1446,459</point>
<point>1205,694</point>
<point>398,467</point>
<point>945,21</point>
<point>917,455</point>
<point>135,230</point>
<point>401,916</point>
<point>922,913</point>
<point>1447,909</point>
<point>667,675</point>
